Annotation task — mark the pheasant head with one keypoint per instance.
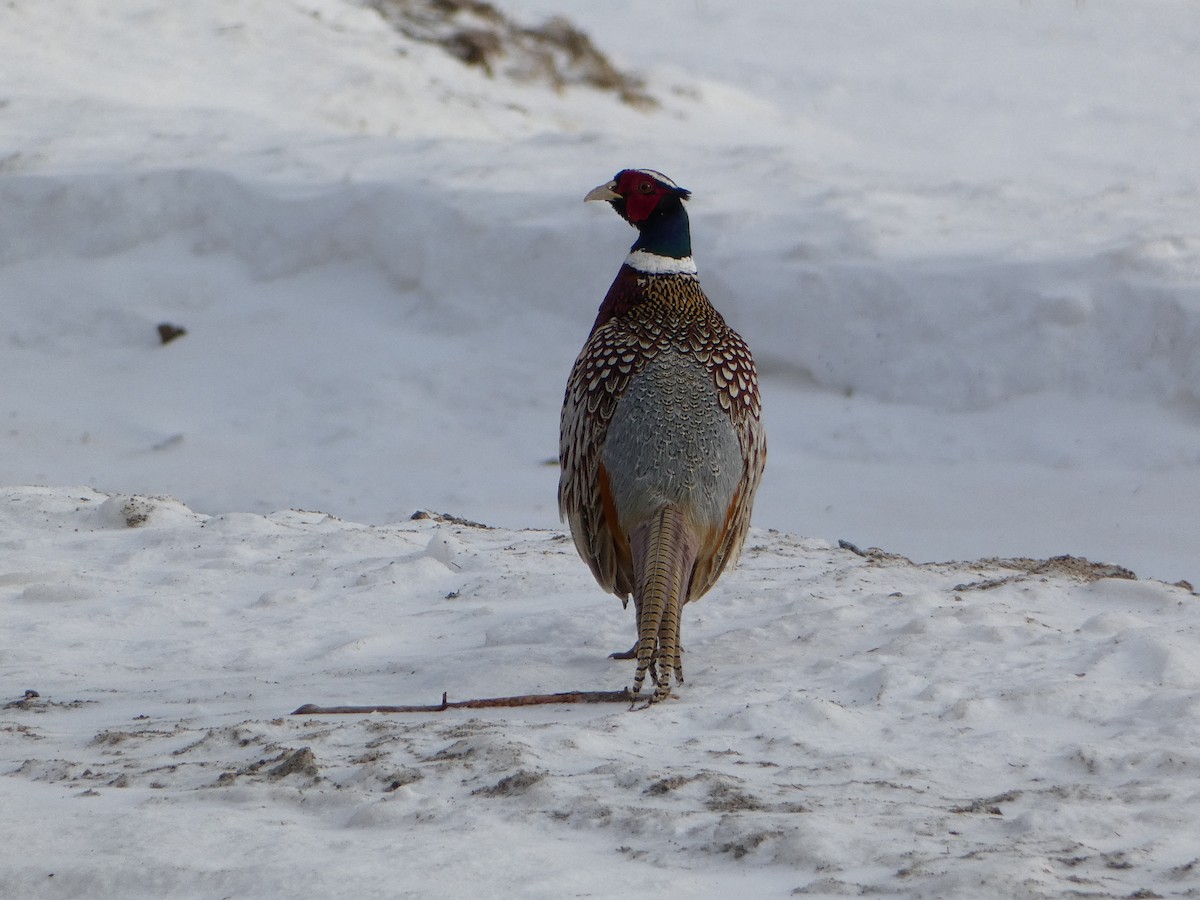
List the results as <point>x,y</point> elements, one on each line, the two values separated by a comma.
<point>653,204</point>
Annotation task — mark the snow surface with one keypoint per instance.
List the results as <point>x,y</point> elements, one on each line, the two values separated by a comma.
<point>849,723</point>
<point>961,239</point>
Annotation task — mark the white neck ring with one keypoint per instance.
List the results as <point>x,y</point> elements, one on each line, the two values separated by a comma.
<point>653,264</point>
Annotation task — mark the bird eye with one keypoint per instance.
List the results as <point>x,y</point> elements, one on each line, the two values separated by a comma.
<point>645,187</point>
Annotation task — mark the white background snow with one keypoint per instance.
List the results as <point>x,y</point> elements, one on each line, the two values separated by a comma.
<point>961,239</point>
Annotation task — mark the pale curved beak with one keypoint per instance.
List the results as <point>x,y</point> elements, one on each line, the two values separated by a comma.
<point>603,192</point>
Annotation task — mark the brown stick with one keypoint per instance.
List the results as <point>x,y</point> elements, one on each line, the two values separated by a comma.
<point>622,696</point>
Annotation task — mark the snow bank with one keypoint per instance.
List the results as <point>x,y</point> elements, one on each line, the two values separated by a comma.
<point>957,334</point>
<point>374,346</point>
<point>947,334</point>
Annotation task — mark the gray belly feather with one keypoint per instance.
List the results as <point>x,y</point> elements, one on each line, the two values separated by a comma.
<point>669,441</point>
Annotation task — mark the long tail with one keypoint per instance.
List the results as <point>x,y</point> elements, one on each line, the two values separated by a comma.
<point>664,553</point>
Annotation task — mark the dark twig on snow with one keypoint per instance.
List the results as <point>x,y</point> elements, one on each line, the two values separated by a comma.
<point>622,696</point>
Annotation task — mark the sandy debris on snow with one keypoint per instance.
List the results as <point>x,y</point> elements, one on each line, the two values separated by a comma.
<point>481,34</point>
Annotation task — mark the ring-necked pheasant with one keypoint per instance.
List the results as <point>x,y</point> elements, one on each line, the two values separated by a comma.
<point>661,443</point>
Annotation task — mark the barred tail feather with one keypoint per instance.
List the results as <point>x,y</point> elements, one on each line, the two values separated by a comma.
<point>664,553</point>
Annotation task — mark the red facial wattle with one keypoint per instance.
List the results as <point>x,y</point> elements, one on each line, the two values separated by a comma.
<point>641,194</point>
